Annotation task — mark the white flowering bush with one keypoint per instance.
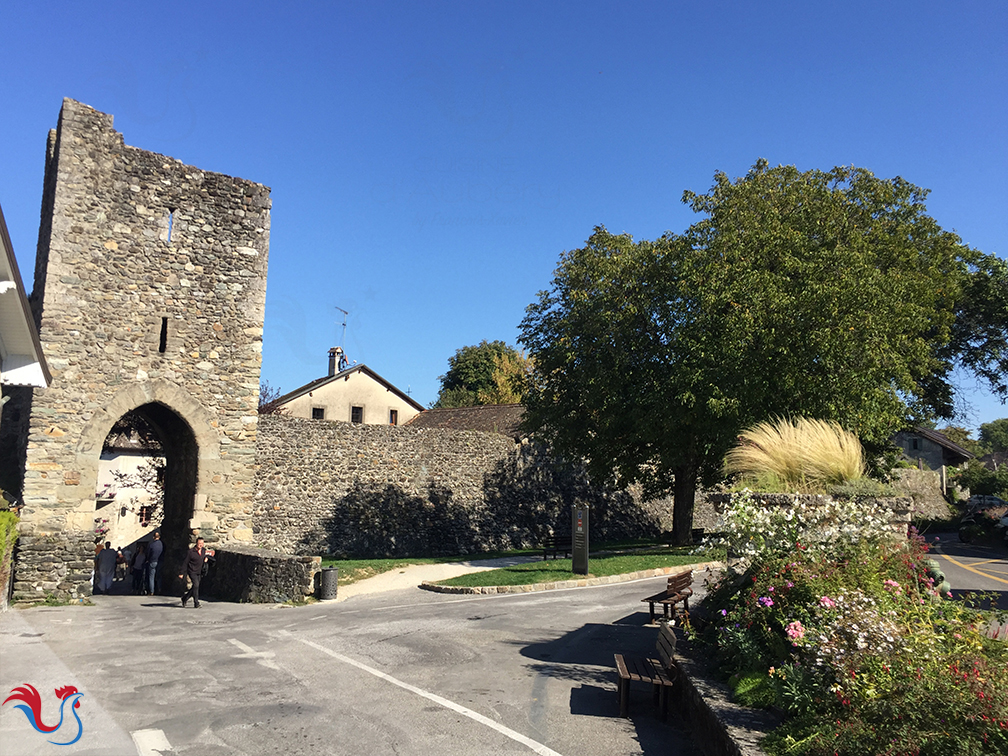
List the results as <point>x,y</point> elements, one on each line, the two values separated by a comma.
<point>751,528</point>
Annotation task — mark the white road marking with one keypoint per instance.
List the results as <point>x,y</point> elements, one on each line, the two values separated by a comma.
<point>476,716</point>
<point>151,743</point>
<point>261,657</point>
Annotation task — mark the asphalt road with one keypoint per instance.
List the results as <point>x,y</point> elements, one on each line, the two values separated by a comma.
<point>981,567</point>
<point>401,672</point>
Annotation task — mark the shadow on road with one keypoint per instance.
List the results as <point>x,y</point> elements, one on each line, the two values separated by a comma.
<point>585,657</point>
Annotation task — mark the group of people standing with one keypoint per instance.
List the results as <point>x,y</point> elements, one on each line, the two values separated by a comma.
<point>141,564</point>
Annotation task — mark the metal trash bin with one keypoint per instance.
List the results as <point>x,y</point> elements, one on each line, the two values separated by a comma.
<point>327,583</point>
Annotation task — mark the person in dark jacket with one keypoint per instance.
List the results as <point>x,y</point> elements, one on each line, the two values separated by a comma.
<point>153,557</point>
<point>192,569</point>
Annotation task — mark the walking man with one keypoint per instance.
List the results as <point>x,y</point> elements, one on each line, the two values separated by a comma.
<point>153,557</point>
<point>192,568</point>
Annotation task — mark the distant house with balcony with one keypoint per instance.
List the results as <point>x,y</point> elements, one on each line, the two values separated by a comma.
<point>354,394</point>
<point>931,449</point>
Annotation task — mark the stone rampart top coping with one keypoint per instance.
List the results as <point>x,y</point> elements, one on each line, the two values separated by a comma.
<point>247,550</point>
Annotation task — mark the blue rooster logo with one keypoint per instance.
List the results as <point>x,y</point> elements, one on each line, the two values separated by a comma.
<point>32,708</point>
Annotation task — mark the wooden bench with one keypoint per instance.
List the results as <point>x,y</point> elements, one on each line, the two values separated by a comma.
<point>660,673</point>
<point>678,590</point>
<point>555,544</point>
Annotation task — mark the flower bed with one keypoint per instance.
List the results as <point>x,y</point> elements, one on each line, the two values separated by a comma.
<point>837,622</point>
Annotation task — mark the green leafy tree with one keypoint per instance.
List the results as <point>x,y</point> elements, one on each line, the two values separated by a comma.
<point>831,295</point>
<point>980,331</point>
<point>490,372</point>
<point>994,435</point>
<point>983,481</point>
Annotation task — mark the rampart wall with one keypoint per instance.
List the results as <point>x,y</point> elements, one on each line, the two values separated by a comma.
<point>369,490</point>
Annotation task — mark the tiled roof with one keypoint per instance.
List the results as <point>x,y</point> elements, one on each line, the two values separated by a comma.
<point>492,418</point>
<point>118,441</point>
<point>943,441</point>
<point>280,401</point>
<point>994,460</point>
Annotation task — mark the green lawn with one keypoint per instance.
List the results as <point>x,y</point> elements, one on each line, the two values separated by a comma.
<point>560,569</point>
<point>352,570</point>
<point>646,555</point>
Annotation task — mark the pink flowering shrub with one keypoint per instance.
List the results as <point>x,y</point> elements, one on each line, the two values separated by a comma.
<point>861,653</point>
<point>795,631</point>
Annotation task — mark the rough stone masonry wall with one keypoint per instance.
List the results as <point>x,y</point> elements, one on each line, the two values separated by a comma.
<point>107,276</point>
<point>370,490</point>
<point>250,575</point>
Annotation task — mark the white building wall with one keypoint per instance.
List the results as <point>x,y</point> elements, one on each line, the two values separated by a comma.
<point>124,527</point>
<point>337,398</point>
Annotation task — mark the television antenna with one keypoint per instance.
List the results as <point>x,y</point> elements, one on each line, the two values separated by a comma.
<point>343,337</point>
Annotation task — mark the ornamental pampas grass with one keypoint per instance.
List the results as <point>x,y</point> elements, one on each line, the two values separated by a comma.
<point>801,453</point>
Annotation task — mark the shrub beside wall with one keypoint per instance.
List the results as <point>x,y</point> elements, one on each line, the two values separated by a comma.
<point>8,537</point>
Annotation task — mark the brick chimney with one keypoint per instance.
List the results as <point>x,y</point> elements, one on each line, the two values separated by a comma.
<point>333,359</point>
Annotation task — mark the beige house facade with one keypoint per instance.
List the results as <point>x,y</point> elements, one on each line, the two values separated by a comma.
<point>353,395</point>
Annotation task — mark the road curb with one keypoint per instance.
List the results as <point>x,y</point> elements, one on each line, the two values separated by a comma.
<point>566,584</point>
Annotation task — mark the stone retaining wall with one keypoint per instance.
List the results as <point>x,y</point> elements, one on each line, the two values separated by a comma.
<point>369,490</point>
<point>247,574</point>
<point>719,726</point>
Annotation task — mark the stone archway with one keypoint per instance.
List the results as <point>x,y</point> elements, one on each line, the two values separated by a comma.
<point>191,448</point>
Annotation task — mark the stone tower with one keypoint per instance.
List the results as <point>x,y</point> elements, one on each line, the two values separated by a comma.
<point>150,287</point>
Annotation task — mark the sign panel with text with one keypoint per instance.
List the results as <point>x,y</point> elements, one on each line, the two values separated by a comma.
<point>579,540</point>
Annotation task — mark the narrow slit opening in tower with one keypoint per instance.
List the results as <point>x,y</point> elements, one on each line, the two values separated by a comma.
<point>164,336</point>
<point>171,219</point>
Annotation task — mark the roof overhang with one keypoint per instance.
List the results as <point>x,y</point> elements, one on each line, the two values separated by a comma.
<point>21,360</point>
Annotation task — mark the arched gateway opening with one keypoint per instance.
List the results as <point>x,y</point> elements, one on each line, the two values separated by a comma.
<point>182,434</point>
<point>147,477</point>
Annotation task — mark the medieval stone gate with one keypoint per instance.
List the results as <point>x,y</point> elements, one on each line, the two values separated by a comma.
<point>150,287</point>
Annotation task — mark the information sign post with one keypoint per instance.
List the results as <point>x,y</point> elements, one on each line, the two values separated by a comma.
<point>579,541</point>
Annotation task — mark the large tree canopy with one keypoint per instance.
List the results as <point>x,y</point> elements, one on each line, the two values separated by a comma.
<point>826,294</point>
<point>490,372</point>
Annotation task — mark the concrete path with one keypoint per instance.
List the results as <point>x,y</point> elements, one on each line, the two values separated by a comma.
<point>412,576</point>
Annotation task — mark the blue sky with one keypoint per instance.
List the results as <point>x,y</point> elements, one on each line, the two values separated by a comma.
<point>429,161</point>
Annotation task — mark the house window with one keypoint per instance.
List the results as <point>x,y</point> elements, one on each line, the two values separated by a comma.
<point>318,413</point>
<point>356,414</point>
<point>915,444</point>
<point>145,515</point>
<point>393,417</point>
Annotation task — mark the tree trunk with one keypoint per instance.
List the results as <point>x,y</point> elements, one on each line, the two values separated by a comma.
<point>682,508</point>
